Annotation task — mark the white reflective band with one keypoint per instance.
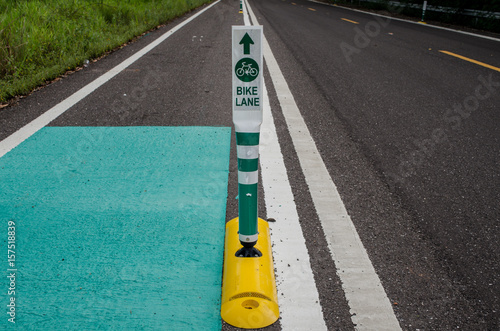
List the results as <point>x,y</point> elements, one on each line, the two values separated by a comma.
<point>251,177</point>
<point>249,239</point>
<point>247,152</point>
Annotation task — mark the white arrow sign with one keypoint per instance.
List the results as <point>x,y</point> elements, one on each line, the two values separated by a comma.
<point>247,78</point>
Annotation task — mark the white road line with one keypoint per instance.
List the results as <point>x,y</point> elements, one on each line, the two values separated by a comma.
<point>246,19</point>
<point>370,308</point>
<point>29,129</point>
<point>298,296</point>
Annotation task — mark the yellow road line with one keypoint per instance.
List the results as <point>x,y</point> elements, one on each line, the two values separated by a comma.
<point>471,60</point>
<point>345,19</point>
<point>312,9</point>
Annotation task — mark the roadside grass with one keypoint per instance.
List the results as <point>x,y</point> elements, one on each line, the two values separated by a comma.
<point>41,39</point>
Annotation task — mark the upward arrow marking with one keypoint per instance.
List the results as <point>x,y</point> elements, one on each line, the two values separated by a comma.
<point>246,41</point>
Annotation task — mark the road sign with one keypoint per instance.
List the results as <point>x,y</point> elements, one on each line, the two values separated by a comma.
<point>249,297</point>
<point>247,118</point>
<point>247,78</point>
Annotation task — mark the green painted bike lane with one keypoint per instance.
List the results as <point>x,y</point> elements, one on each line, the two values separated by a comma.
<point>116,228</point>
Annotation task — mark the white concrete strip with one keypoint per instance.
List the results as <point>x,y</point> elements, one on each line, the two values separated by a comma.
<point>29,129</point>
<point>370,308</point>
<point>298,297</point>
<point>412,22</point>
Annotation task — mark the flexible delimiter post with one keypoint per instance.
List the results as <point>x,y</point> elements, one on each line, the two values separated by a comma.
<point>248,166</point>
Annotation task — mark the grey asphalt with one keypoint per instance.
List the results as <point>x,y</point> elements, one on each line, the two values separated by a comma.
<point>419,179</point>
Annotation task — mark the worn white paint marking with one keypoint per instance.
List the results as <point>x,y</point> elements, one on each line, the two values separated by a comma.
<point>297,293</point>
<point>29,129</point>
<point>246,19</point>
<point>370,307</point>
<point>298,296</point>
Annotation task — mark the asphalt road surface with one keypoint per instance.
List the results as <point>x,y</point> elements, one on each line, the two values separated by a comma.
<point>405,118</point>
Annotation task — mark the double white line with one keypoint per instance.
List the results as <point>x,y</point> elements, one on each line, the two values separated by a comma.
<point>298,297</point>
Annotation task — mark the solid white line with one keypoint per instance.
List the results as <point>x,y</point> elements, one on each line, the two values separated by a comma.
<point>29,129</point>
<point>246,19</point>
<point>370,308</point>
<point>408,21</point>
<point>298,296</point>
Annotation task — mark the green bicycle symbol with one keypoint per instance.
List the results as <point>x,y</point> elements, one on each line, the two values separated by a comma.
<point>246,69</point>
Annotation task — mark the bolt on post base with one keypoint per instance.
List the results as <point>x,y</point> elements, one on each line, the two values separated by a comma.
<point>248,252</point>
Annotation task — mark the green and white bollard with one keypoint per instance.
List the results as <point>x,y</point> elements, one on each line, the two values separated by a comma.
<point>248,175</point>
<point>424,7</point>
<point>247,118</point>
<point>249,296</point>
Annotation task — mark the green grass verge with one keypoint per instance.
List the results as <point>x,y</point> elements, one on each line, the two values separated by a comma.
<point>42,39</point>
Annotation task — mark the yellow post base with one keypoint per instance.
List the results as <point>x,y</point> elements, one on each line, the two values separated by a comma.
<point>249,297</point>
